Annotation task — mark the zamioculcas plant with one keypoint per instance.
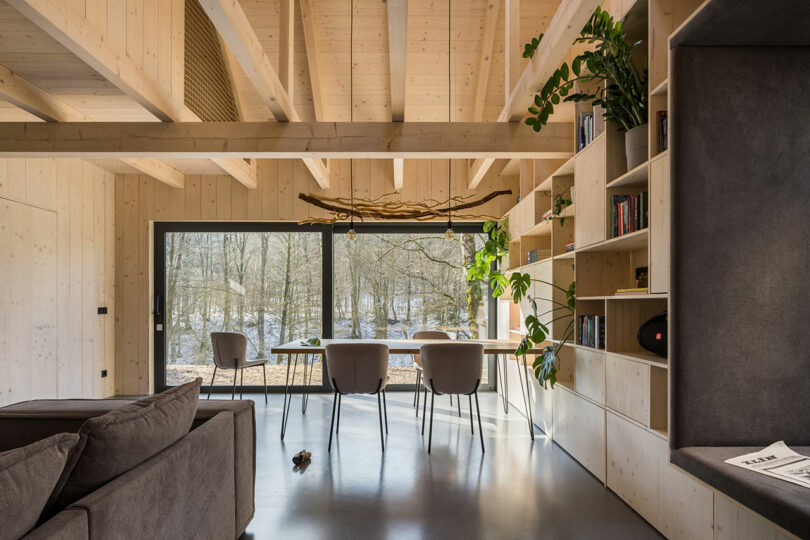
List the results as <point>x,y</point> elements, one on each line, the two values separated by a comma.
<point>624,92</point>
<point>487,267</point>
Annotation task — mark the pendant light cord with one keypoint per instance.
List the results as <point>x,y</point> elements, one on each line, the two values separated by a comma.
<point>351,104</point>
<point>449,105</point>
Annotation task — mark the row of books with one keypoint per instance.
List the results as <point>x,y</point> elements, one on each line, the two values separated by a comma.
<point>591,331</point>
<point>589,126</point>
<point>629,213</point>
<point>661,125</point>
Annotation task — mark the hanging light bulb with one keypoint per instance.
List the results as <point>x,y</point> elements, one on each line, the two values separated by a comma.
<point>351,234</point>
<point>449,233</point>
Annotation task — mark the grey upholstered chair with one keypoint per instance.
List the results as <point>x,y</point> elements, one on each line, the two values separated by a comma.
<point>452,368</point>
<point>357,368</point>
<point>417,364</point>
<point>230,352</point>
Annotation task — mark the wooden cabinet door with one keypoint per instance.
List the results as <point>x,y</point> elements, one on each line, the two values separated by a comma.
<point>659,225</point>
<point>589,199</point>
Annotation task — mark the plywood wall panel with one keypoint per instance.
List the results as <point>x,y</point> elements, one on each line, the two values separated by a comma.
<point>54,259</point>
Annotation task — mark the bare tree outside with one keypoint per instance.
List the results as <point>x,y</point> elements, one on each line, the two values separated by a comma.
<point>267,285</point>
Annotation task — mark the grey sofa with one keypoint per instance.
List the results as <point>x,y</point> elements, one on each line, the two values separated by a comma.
<point>201,486</point>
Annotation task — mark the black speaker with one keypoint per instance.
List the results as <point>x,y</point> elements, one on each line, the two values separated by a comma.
<point>653,335</point>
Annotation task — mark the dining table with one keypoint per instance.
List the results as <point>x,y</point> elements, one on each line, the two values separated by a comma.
<point>502,349</point>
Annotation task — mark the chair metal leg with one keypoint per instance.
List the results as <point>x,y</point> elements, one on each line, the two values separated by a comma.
<point>430,435</point>
<point>264,372</point>
<point>305,395</point>
<point>241,382</point>
<point>424,411</point>
<point>286,414</point>
<point>416,392</point>
<point>472,429</point>
<point>385,410</point>
<point>379,410</point>
<point>340,400</point>
<point>451,400</point>
<point>331,427</point>
<point>458,402</point>
<point>233,392</point>
<point>212,381</point>
<point>480,429</point>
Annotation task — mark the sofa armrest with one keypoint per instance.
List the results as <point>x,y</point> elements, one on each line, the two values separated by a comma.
<point>70,524</point>
<point>185,491</point>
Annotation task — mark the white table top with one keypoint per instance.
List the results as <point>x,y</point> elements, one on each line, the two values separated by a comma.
<point>399,346</point>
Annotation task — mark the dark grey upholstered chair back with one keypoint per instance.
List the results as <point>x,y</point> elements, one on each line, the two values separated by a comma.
<point>453,368</point>
<point>357,368</point>
<point>230,349</point>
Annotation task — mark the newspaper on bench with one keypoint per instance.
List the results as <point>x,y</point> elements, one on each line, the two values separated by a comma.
<point>778,461</point>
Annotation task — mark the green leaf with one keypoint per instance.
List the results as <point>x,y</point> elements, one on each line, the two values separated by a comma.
<point>576,65</point>
<point>564,71</point>
<point>538,100</point>
<point>555,99</point>
<point>520,285</point>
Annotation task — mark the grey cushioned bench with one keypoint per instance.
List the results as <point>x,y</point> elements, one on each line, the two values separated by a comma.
<point>786,504</point>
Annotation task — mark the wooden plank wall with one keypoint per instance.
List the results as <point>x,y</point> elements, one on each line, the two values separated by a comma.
<point>140,200</point>
<point>56,263</point>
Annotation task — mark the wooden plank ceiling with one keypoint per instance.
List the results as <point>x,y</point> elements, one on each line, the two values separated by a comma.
<point>316,36</point>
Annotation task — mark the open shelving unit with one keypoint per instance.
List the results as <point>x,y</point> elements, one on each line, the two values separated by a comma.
<point>609,409</point>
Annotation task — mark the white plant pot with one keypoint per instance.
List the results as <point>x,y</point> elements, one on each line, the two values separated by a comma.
<point>635,146</point>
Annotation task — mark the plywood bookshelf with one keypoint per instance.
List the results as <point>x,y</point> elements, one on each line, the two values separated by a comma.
<point>611,404</point>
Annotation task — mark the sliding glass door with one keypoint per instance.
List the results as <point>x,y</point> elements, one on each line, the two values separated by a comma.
<point>266,284</point>
<point>277,283</point>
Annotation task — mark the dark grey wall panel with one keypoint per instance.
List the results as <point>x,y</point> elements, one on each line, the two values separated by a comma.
<point>744,23</point>
<point>740,296</point>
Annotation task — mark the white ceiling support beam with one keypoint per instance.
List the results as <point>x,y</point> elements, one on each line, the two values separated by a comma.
<point>274,140</point>
<point>485,58</point>
<point>563,29</point>
<point>50,108</point>
<point>399,173</point>
<point>235,28</point>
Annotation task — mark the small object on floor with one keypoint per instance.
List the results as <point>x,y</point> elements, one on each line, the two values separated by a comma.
<point>302,457</point>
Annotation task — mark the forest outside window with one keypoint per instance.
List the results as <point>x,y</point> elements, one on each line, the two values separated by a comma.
<point>278,283</point>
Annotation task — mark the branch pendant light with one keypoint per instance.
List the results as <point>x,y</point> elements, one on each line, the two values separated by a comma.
<point>449,232</point>
<point>351,234</point>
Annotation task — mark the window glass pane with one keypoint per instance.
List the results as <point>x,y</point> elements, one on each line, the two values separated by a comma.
<point>265,285</point>
<point>391,285</point>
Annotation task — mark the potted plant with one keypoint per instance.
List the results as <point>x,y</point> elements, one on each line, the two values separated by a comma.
<point>621,87</point>
<point>487,267</point>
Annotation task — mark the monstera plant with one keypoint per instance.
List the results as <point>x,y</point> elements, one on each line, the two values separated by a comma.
<point>487,267</point>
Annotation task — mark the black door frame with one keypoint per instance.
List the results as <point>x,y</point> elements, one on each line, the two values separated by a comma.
<point>161,228</point>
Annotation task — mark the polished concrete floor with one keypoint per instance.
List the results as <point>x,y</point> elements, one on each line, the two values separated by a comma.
<point>516,489</point>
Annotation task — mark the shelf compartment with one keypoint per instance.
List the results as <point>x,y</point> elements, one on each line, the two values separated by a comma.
<point>624,318</point>
<point>633,241</point>
<point>638,177</point>
<point>599,274</point>
<point>661,89</point>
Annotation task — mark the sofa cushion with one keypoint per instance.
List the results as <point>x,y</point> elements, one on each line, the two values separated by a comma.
<point>114,443</point>
<point>28,475</point>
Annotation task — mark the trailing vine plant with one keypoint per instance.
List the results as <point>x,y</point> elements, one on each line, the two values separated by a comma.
<point>487,267</point>
<point>621,88</point>
<point>561,201</point>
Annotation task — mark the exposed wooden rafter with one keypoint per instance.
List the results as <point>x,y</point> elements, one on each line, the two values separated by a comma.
<point>79,36</point>
<point>563,29</point>
<point>485,58</point>
<point>286,45</point>
<point>217,140</point>
<point>399,173</point>
<point>313,58</point>
<point>50,108</point>
<point>511,49</point>
<point>235,28</point>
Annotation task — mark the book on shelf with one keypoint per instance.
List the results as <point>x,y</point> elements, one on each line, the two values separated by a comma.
<point>629,213</point>
<point>661,124</point>
<point>631,291</point>
<point>585,130</point>
<point>569,247</point>
<point>547,215</point>
<point>591,331</point>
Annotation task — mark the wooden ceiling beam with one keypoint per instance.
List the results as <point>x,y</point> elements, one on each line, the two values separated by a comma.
<point>563,29</point>
<point>235,28</point>
<point>511,49</point>
<point>286,46</point>
<point>397,53</point>
<point>313,57</point>
<point>50,108</point>
<point>80,37</point>
<point>305,140</point>
<point>399,173</point>
<point>485,58</point>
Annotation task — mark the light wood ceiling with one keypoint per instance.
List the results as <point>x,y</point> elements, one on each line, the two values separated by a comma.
<point>32,54</point>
